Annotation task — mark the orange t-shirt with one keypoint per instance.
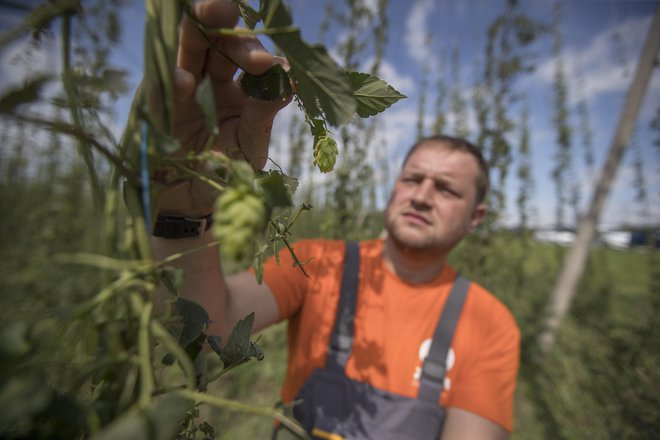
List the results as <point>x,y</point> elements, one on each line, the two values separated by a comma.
<point>394,324</point>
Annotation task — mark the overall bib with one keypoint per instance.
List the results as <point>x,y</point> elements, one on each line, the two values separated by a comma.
<point>333,406</point>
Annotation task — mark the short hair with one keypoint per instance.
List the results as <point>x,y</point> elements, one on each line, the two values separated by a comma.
<point>458,144</point>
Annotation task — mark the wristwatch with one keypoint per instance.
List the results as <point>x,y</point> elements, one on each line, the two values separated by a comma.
<point>181,227</point>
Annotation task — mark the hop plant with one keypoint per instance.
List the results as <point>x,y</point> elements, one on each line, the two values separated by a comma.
<point>325,153</point>
<point>238,217</point>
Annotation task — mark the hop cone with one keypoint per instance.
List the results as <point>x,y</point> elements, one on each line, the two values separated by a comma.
<point>239,216</point>
<point>325,153</point>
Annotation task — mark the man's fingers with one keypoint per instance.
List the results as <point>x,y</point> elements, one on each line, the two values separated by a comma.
<point>254,128</point>
<point>184,85</point>
<point>193,45</point>
<point>246,52</point>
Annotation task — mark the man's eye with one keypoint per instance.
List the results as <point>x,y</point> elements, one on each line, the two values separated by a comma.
<point>448,191</point>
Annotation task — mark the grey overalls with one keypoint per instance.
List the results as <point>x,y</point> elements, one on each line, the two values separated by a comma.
<point>333,406</point>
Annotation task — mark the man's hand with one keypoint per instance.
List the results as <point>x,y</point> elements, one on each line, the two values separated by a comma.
<point>244,123</point>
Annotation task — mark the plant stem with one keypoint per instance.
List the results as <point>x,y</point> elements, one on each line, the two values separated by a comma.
<point>242,407</point>
<point>144,349</point>
<point>192,173</point>
<point>171,344</point>
<point>178,255</point>
<point>70,90</point>
<point>82,137</point>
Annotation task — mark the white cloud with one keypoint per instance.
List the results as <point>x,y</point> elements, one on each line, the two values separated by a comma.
<point>600,63</point>
<point>417,31</point>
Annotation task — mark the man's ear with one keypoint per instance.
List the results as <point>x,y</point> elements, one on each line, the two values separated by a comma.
<point>477,216</point>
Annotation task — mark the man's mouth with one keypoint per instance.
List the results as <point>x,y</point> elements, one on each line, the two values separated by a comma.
<point>416,218</point>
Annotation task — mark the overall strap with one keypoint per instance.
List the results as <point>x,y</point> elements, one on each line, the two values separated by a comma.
<point>341,341</point>
<point>435,365</point>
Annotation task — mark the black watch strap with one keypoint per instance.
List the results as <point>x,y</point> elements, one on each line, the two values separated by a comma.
<point>181,227</point>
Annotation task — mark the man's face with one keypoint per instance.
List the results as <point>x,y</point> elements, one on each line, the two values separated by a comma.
<point>433,204</point>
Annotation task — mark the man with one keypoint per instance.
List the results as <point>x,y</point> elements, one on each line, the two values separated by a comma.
<point>399,292</point>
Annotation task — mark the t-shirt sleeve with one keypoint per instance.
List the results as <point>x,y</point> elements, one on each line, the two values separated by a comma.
<point>487,384</point>
<point>286,279</point>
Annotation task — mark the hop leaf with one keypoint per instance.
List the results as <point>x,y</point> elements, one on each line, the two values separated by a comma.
<point>373,94</point>
<point>269,86</point>
<point>325,153</point>
<point>239,348</point>
<point>239,215</point>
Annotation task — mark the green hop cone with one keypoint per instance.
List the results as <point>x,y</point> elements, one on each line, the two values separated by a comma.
<point>325,153</point>
<point>238,217</point>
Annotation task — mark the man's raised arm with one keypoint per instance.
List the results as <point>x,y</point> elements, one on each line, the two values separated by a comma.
<point>244,132</point>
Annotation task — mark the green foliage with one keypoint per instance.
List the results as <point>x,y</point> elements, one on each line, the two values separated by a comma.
<point>255,383</point>
<point>373,95</point>
<point>161,420</point>
<point>321,84</point>
<point>238,349</point>
<point>510,36</point>
<point>324,92</point>
<point>524,171</point>
<point>458,104</point>
<point>351,195</point>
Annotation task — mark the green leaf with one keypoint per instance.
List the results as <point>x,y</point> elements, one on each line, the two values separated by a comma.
<point>291,184</point>
<point>206,100</point>
<point>195,320</point>
<point>239,348</point>
<point>22,397</point>
<point>275,190</point>
<point>249,15</point>
<point>27,93</point>
<point>269,86</point>
<point>161,420</point>
<point>373,94</point>
<point>321,84</point>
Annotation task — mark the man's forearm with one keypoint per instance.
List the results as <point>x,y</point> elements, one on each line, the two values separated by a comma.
<point>203,279</point>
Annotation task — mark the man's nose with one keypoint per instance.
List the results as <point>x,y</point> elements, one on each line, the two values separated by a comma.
<point>423,193</point>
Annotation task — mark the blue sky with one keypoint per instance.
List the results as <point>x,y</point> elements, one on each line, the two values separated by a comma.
<point>602,41</point>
